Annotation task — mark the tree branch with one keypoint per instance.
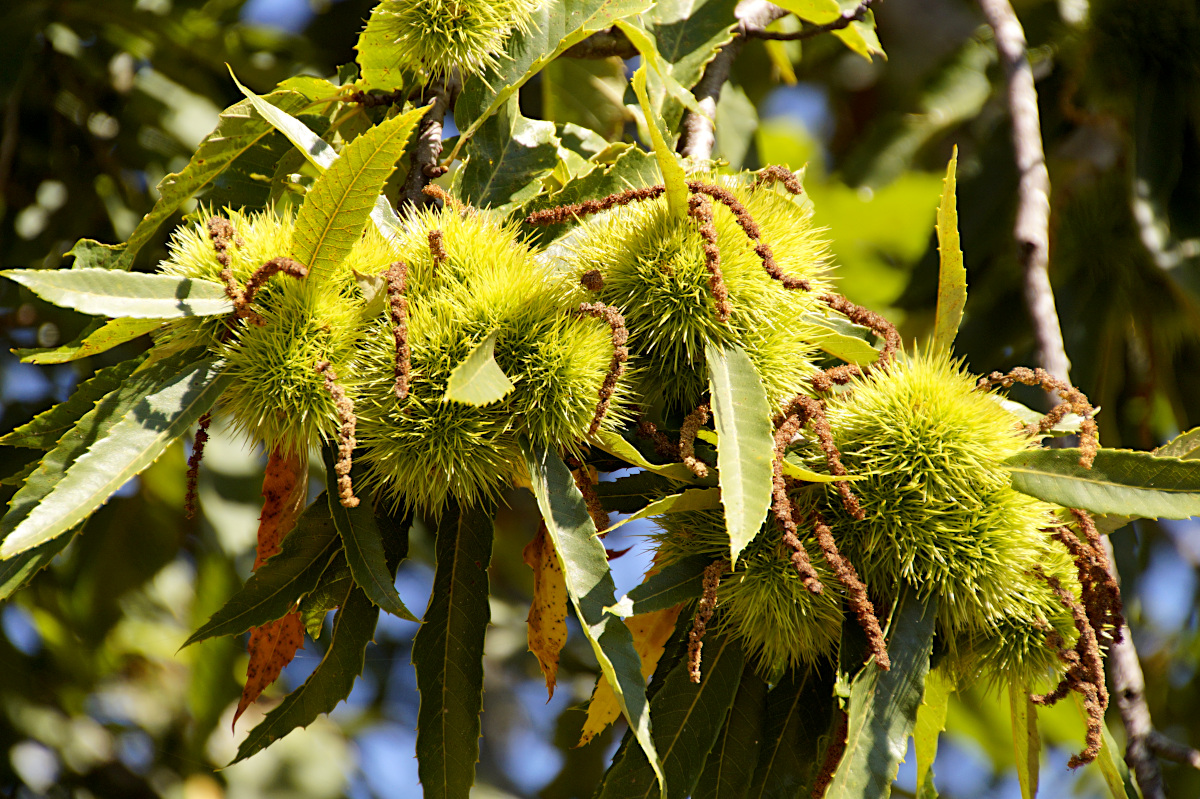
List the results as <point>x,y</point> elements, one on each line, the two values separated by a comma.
<point>698,136</point>
<point>423,163</point>
<point>1032,232</point>
<point>844,21</point>
<point>1032,228</point>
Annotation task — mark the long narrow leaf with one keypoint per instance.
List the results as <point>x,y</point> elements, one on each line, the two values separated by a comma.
<point>883,706</point>
<point>339,204</point>
<point>1027,746</point>
<point>132,444</point>
<point>109,292</point>
<point>742,417</point>
<point>448,654</point>
<point>1110,764</point>
<point>688,718</point>
<point>591,588</point>
<point>44,430</point>
<point>329,684</point>
<point>101,336</point>
<point>273,590</point>
<point>315,149</point>
<point>799,711</point>
<point>931,722</point>
<point>673,175</point>
<point>693,499</point>
<point>614,445</point>
<point>952,275</point>
<point>1120,482</point>
<point>363,542</point>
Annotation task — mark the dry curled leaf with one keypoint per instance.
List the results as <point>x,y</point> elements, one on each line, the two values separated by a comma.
<point>547,620</point>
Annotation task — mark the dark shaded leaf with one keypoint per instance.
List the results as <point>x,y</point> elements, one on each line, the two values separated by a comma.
<point>799,710</point>
<point>506,159</point>
<point>633,492</point>
<point>679,582</point>
<point>730,764</point>
<point>44,430</point>
<point>448,654</point>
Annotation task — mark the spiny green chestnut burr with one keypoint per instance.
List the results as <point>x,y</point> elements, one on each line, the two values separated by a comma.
<point>290,325</point>
<point>434,38</point>
<point>940,511</point>
<point>478,278</point>
<point>764,602</point>
<point>656,268</point>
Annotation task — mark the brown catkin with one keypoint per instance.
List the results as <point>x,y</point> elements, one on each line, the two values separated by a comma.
<point>583,481</point>
<point>268,270</point>
<point>778,174</point>
<point>880,326</point>
<point>856,592</point>
<point>616,367</point>
<point>190,504</point>
<point>781,506</point>
<point>1072,400</point>
<point>662,445</point>
<point>346,440</point>
<point>592,280</point>
<point>752,231</point>
<point>397,276</point>
<point>437,247</point>
<point>704,612</point>
<point>687,440</point>
<point>812,412</point>
<point>566,213</point>
<point>700,209</point>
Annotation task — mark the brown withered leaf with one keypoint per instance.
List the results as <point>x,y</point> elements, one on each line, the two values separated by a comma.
<point>272,646</point>
<point>650,634</point>
<point>547,621</point>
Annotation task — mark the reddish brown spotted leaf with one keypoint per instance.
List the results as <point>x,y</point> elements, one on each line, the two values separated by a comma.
<point>547,620</point>
<point>272,646</point>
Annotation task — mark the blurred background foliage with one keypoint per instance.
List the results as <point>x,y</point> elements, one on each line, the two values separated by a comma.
<point>102,98</point>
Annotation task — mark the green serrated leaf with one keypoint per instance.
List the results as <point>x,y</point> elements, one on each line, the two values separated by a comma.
<point>1185,446</point>
<point>731,761</point>
<point>818,11</point>
<point>694,499</point>
<point>339,204</point>
<point>1112,767</point>
<point>273,590</point>
<point>688,718</point>
<point>330,682</point>
<point>742,417</point>
<point>109,292</point>
<point>507,158</point>
<point>478,379</point>
<point>883,705</point>
<point>94,425</point>
<point>952,275</point>
<point>131,444</point>
<point>554,26</point>
<point>330,590</point>
<point>448,654</point>
<point>843,339</point>
<point>931,722</point>
<point>44,430</point>
<point>674,177</point>
<point>239,130</point>
<point>591,588</point>
<point>318,151</point>
<point>615,445</point>
<point>1027,746</point>
<point>799,711</point>
<point>1121,482</point>
<point>660,75</point>
<point>679,582</point>
<point>99,336</point>
<point>363,543</point>
<point>91,254</point>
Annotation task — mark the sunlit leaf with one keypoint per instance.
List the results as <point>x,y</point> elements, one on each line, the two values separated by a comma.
<point>952,275</point>
<point>615,445</point>
<point>315,149</point>
<point>44,430</point>
<point>930,723</point>
<point>1027,746</point>
<point>591,587</point>
<point>110,292</point>
<point>100,336</point>
<point>1120,482</point>
<point>742,417</point>
<point>130,445</point>
<point>448,654</point>
<point>1112,767</point>
<point>478,379</point>
<point>673,175</point>
<point>694,499</point>
<point>339,204</point>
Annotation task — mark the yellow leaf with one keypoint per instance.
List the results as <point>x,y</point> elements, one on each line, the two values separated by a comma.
<point>650,633</point>
<point>547,621</point>
<point>952,275</point>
